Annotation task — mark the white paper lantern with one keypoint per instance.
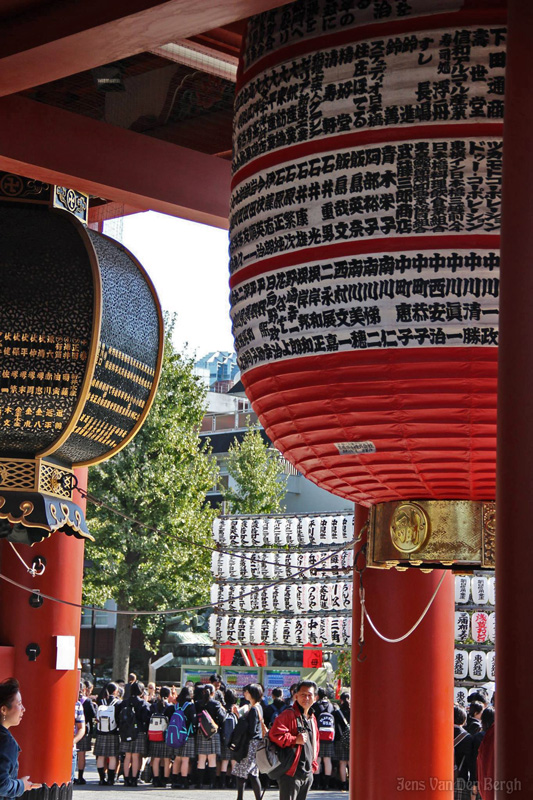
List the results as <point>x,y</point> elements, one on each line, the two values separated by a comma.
<point>348,528</point>
<point>325,630</point>
<point>256,533</point>
<point>214,564</point>
<point>347,630</point>
<point>304,597</point>
<point>480,624</point>
<point>462,589</point>
<point>216,529</point>
<point>255,631</point>
<point>305,535</point>
<point>492,591</point>
<point>267,630</point>
<point>324,528</point>
<point>314,531</point>
<point>222,629</point>
<point>213,627</point>
<point>268,595</point>
<point>281,533</point>
<point>292,532</point>
<point>246,598</point>
<point>313,630</point>
<point>313,597</point>
<point>224,561</point>
<point>325,596</point>
<point>492,627</point>
<point>233,629</point>
<point>214,595</point>
<point>270,537</point>
<point>480,590</point>
<point>460,669</point>
<point>347,595</point>
<point>335,631</point>
<point>491,665</point>
<point>300,631</point>
<point>246,533</point>
<point>477,665</point>
<point>460,693</point>
<point>462,626</point>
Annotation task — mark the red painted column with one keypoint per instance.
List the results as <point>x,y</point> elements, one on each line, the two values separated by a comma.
<point>514,543</point>
<point>402,693</point>
<point>46,731</point>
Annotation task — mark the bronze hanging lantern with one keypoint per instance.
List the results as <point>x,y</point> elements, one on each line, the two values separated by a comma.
<point>81,337</point>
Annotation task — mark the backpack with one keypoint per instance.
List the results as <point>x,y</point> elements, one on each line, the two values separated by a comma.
<point>157,727</point>
<point>277,712</point>
<point>275,761</point>
<point>326,726</point>
<point>105,718</point>
<point>127,725</point>
<point>228,726</point>
<point>207,724</point>
<point>239,740</point>
<point>177,730</point>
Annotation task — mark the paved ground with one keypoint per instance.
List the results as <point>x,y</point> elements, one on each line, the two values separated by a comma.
<point>147,790</point>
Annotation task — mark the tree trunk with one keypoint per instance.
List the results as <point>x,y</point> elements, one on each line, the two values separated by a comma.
<point>122,646</point>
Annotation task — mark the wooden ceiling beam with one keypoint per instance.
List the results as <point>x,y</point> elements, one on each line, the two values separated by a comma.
<point>63,38</point>
<point>56,146</point>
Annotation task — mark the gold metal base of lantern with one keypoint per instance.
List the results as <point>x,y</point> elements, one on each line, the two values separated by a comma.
<point>432,534</point>
<point>36,499</point>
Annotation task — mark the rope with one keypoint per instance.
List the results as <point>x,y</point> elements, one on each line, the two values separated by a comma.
<point>409,632</point>
<point>32,570</point>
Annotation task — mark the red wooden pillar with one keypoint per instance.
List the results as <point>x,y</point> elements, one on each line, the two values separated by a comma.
<point>402,693</point>
<point>46,731</point>
<point>514,543</point>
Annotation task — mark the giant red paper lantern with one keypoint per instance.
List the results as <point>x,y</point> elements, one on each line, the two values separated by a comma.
<point>365,220</point>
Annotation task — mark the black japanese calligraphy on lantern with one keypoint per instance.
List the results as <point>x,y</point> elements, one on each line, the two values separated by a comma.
<point>381,301</point>
<point>303,20</point>
<point>424,78</point>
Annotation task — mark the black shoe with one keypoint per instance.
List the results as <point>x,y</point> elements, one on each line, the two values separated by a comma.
<point>102,782</point>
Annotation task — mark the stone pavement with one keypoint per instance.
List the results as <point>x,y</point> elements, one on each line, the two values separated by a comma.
<point>146,791</point>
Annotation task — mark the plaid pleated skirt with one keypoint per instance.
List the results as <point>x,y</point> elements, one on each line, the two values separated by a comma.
<point>342,750</point>
<point>225,752</point>
<point>84,744</point>
<point>327,750</point>
<point>106,744</point>
<point>206,747</point>
<point>188,750</point>
<point>160,750</point>
<point>138,745</point>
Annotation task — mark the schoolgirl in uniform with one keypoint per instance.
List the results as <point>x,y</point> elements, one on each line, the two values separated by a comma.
<point>160,751</point>
<point>135,749</point>
<point>226,781</point>
<point>183,756</point>
<point>106,746</point>
<point>208,749</point>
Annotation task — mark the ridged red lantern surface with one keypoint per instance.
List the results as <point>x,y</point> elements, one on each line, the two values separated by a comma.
<point>364,242</point>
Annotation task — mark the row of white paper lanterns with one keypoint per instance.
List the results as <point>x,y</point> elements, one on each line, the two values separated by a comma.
<point>476,664</point>
<point>284,597</point>
<point>481,589</point>
<point>248,631</point>
<point>285,565</point>
<point>461,693</point>
<point>292,531</point>
<point>481,627</point>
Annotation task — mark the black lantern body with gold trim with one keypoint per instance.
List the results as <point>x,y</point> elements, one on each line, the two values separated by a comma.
<point>81,337</point>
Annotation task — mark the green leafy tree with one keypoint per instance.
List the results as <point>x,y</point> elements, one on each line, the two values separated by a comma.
<point>160,479</point>
<point>344,667</point>
<point>258,472</point>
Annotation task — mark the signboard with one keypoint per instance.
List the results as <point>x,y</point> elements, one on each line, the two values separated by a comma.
<point>239,677</point>
<point>280,679</point>
<point>197,674</point>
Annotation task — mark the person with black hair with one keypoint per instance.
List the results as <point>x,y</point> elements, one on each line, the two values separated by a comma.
<point>208,748</point>
<point>230,703</point>
<point>11,713</point>
<point>133,716</point>
<point>473,724</point>
<point>183,756</point>
<point>84,744</point>
<point>323,711</point>
<point>296,727</point>
<point>463,748</point>
<point>107,745</point>
<point>485,756</point>
<point>246,768</point>
<point>160,751</point>
<point>274,708</point>
<point>342,738</point>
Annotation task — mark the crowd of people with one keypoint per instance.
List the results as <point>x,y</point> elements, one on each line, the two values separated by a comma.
<point>474,748</point>
<point>132,732</point>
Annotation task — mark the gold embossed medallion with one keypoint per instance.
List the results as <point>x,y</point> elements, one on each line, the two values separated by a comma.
<point>409,527</point>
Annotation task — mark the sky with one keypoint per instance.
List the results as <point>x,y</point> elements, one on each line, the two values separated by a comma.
<point>188,264</point>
